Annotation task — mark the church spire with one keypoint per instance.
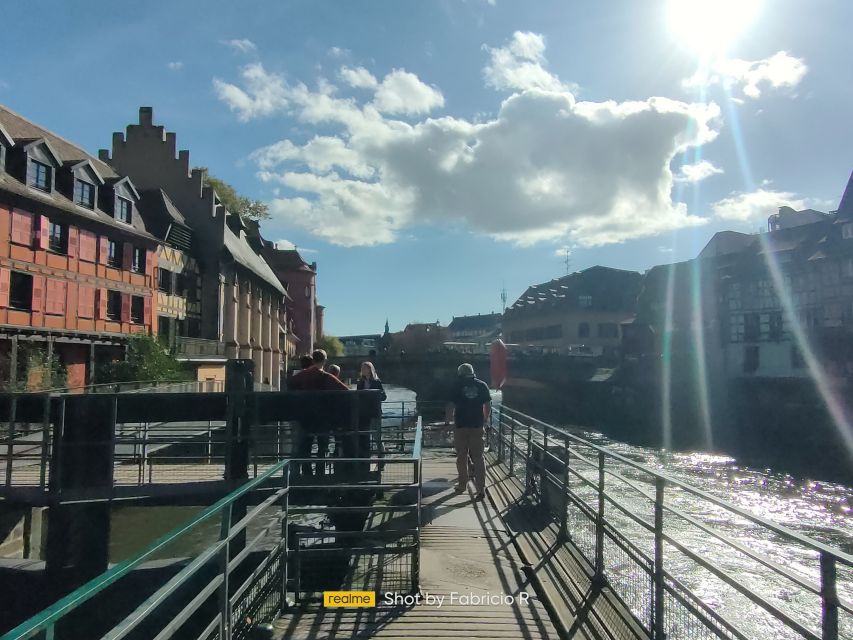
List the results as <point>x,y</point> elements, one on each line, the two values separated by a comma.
<point>387,328</point>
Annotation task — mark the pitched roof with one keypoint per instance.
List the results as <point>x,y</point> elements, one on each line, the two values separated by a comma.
<point>467,323</point>
<point>19,128</point>
<point>611,289</point>
<point>845,207</point>
<point>285,259</point>
<point>243,254</point>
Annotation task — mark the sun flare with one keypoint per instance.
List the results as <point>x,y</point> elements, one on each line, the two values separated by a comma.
<point>710,26</point>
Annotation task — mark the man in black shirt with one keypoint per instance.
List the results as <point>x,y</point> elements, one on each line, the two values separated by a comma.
<point>472,405</point>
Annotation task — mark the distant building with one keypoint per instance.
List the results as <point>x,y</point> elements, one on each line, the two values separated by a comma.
<point>77,260</point>
<point>477,331</point>
<point>361,345</point>
<point>417,337</point>
<point>578,313</point>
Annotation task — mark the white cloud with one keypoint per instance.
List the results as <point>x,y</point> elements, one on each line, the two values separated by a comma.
<point>338,52</point>
<point>404,93</point>
<point>543,167</point>
<point>697,172</point>
<point>175,66</point>
<point>241,45</point>
<point>755,205</point>
<point>779,70</point>
<point>520,65</point>
<point>286,245</point>
<point>358,78</point>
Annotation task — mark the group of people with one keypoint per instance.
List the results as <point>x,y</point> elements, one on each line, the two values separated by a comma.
<point>314,377</point>
<point>469,401</point>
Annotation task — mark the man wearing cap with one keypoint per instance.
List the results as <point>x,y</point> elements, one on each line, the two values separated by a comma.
<point>471,408</point>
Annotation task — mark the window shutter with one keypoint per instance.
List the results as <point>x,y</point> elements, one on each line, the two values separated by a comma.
<point>102,304</point>
<point>146,314</point>
<point>38,294</point>
<point>150,264</point>
<point>85,301</point>
<point>44,233</point>
<point>73,240</point>
<point>5,275</point>
<point>88,246</point>
<point>103,250</point>
<point>127,260</point>
<point>22,227</point>
<point>55,299</point>
<point>125,307</point>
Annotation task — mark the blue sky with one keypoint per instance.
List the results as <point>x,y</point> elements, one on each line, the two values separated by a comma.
<point>426,154</point>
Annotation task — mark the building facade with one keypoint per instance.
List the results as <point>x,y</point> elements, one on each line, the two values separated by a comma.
<point>77,263</point>
<point>235,303</point>
<point>580,313</point>
<point>476,332</point>
<point>299,278</point>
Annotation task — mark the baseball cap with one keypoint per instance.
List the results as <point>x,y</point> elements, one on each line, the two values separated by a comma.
<point>465,370</point>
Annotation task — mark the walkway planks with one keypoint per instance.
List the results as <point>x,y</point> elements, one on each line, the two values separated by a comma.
<point>464,550</point>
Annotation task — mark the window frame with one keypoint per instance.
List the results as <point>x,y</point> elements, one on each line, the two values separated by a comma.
<point>34,176</point>
<point>137,301</point>
<point>170,289</point>
<point>113,300</point>
<point>114,258</point>
<point>80,186</point>
<point>119,209</point>
<point>57,243</point>
<point>137,260</point>
<point>13,298</point>
<point>583,330</point>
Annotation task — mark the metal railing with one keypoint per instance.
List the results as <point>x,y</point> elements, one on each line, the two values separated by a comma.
<point>683,570</point>
<point>253,559</point>
<point>199,347</point>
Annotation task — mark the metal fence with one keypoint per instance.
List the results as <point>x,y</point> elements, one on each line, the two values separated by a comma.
<point>245,559</point>
<point>683,571</point>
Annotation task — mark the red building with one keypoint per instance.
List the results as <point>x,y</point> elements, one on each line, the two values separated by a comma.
<point>77,266</point>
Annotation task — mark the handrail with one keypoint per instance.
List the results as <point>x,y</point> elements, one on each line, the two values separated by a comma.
<point>79,596</point>
<point>810,543</point>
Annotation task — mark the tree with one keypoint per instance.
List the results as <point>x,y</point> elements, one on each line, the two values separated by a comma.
<point>331,345</point>
<point>233,201</point>
<point>147,359</point>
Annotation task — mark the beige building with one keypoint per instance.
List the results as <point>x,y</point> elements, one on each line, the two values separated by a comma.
<point>580,313</point>
<point>233,309</point>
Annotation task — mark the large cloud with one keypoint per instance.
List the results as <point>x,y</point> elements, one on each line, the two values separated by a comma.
<point>755,205</point>
<point>545,167</point>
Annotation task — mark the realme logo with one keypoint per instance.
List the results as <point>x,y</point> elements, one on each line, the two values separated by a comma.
<point>349,598</point>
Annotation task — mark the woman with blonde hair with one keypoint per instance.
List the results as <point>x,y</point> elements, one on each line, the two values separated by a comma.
<point>369,380</point>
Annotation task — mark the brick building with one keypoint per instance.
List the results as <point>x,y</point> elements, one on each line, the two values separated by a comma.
<point>581,312</point>
<point>77,262</point>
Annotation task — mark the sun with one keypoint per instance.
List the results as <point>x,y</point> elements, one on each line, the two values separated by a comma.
<point>709,27</point>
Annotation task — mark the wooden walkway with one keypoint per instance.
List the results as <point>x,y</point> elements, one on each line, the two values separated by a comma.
<point>465,553</point>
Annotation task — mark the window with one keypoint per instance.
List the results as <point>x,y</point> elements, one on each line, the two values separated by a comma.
<point>536,333</point>
<point>797,361</point>
<point>113,305</point>
<point>137,309</point>
<point>584,302</point>
<point>753,327</point>
<point>751,358</point>
<point>20,291</point>
<point>164,281</point>
<point>84,194</point>
<point>775,326</point>
<point>113,257</point>
<point>57,237</point>
<point>180,284</point>
<point>163,328</point>
<point>847,230</point>
<point>516,337</point>
<point>39,175</point>
<point>124,209</point>
<point>583,330</point>
<point>138,263</point>
<point>193,328</point>
<point>608,330</point>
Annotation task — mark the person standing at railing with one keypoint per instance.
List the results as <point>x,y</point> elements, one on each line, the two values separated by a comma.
<point>471,407</point>
<point>314,378</point>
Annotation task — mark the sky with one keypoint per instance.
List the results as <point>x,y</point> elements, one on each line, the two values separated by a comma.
<point>428,155</point>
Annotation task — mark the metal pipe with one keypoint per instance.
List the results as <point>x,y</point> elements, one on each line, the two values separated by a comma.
<point>657,575</point>
<point>828,598</point>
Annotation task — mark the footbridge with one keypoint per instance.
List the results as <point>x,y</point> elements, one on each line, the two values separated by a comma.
<point>573,541</point>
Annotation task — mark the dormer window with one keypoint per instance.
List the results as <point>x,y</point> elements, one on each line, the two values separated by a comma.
<point>39,175</point>
<point>84,193</point>
<point>124,209</point>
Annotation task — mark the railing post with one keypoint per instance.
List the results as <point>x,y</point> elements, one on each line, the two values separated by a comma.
<point>564,521</point>
<point>285,527</point>
<point>599,523</point>
<point>416,555</point>
<point>500,440</point>
<point>511,447</point>
<point>10,443</point>
<point>224,595</point>
<point>657,576</point>
<point>529,461</point>
<point>828,597</point>
<point>45,442</point>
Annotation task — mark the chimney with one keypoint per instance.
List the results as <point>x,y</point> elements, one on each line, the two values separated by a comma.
<point>146,116</point>
<point>104,154</point>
